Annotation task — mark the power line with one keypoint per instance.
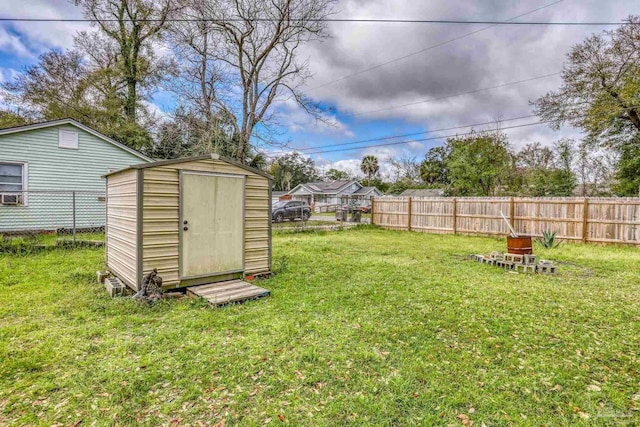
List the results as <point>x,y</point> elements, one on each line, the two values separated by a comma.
<point>383,138</point>
<point>339,20</point>
<point>314,150</point>
<point>417,52</point>
<point>427,139</point>
<point>458,94</point>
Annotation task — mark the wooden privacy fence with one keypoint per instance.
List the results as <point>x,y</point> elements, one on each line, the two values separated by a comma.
<point>602,220</point>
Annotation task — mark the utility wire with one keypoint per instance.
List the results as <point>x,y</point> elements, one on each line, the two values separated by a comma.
<point>429,139</point>
<point>383,138</point>
<point>315,151</point>
<point>426,49</point>
<point>393,107</point>
<point>339,20</point>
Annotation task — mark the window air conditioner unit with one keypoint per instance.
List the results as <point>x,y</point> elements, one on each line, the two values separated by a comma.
<point>11,199</point>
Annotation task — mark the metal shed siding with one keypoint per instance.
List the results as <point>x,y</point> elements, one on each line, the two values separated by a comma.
<point>53,168</point>
<point>257,222</point>
<point>161,211</point>
<point>122,226</point>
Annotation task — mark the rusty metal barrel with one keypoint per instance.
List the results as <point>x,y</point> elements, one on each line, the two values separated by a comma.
<point>521,245</point>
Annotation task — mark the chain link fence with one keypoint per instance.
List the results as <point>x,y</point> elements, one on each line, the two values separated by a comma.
<point>302,216</point>
<point>53,218</point>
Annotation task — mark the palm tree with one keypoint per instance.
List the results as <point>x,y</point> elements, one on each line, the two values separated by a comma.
<point>369,167</point>
<point>287,176</point>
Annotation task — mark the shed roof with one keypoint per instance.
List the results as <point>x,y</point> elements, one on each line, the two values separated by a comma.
<point>72,122</point>
<point>193,159</point>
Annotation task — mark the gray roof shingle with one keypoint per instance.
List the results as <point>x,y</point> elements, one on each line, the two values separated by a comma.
<point>327,187</point>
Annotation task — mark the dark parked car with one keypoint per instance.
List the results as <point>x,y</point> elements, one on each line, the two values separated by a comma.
<point>363,207</point>
<point>290,209</point>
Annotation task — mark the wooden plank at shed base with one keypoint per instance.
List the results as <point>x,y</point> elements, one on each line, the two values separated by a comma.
<point>227,292</point>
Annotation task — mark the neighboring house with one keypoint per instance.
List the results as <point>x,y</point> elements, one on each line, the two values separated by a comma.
<point>422,192</point>
<point>45,167</point>
<point>275,195</point>
<point>331,193</point>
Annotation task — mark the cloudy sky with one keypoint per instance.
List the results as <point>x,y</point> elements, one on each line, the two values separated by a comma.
<point>366,99</point>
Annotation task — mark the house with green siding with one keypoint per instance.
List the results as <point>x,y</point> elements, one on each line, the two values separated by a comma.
<point>51,175</point>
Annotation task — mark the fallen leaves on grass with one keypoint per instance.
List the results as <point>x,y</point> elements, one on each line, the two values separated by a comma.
<point>465,420</point>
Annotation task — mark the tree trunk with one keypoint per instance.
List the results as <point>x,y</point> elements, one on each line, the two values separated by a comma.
<point>635,118</point>
<point>131,101</point>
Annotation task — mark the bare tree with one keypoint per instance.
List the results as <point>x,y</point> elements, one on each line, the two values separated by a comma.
<point>405,168</point>
<point>202,80</point>
<point>593,166</point>
<point>255,44</point>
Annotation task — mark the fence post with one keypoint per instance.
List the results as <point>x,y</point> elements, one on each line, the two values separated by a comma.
<point>455,216</point>
<point>512,212</point>
<point>373,204</point>
<point>585,220</point>
<point>409,214</point>
<point>73,201</point>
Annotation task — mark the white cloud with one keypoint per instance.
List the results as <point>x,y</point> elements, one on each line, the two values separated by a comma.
<point>492,57</point>
<point>8,74</point>
<point>11,43</point>
<point>37,37</point>
<point>296,119</point>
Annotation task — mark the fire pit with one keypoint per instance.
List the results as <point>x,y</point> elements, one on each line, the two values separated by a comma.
<point>521,245</point>
<point>517,244</point>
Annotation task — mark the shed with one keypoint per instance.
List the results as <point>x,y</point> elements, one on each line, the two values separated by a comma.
<point>196,220</point>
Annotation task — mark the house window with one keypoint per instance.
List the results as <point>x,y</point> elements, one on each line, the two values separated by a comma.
<point>68,139</point>
<point>12,183</point>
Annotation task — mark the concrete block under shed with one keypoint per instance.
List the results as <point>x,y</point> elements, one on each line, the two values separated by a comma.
<point>101,275</point>
<point>114,286</point>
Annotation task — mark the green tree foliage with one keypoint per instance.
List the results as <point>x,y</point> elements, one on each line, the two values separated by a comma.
<point>552,183</point>
<point>433,169</point>
<point>197,136</point>
<point>544,171</point>
<point>478,164</point>
<point>379,184</point>
<point>337,175</point>
<point>627,178</point>
<point>402,184</point>
<point>65,84</point>
<point>370,167</point>
<point>291,170</point>
<point>171,141</point>
<point>133,26</point>
<point>601,95</point>
<point>10,119</point>
<point>601,84</point>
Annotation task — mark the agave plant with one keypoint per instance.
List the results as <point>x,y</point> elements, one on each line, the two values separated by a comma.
<point>548,239</point>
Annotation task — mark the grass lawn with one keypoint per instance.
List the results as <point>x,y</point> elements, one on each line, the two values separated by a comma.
<point>333,214</point>
<point>300,224</point>
<point>364,327</point>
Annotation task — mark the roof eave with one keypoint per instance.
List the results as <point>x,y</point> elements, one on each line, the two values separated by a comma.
<point>192,159</point>
<point>51,123</point>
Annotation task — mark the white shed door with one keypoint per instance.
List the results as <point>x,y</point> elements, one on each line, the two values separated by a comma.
<point>212,224</point>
